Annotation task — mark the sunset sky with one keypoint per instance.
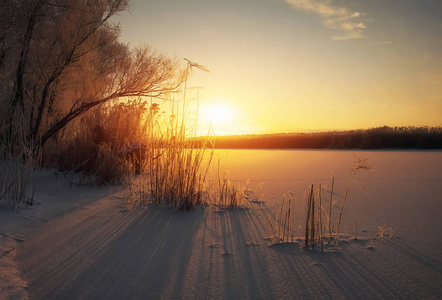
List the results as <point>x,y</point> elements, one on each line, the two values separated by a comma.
<point>300,65</point>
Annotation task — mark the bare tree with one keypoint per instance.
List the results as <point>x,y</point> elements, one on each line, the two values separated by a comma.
<point>62,57</point>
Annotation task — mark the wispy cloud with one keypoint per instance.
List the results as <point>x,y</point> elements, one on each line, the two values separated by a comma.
<point>333,17</point>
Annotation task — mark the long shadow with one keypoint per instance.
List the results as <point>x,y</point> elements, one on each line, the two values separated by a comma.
<point>359,273</point>
<point>392,270</point>
<point>56,251</point>
<point>428,262</point>
<point>143,261</point>
<point>120,255</point>
<point>105,253</point>
<point>246,273</point>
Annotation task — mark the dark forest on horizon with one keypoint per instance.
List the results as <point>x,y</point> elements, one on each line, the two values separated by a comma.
<point>373,138</point>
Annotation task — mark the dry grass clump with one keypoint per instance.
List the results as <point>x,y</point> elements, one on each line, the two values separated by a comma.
<point>311,230</point>
<point>317,216</point>
<point>227,194</point>
<point>178,167</point>
<point>177,174</point>
<point>284,231</point>
<point>314,229</point>
<point>175,169</point>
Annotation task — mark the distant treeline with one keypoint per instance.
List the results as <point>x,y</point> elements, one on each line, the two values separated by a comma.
<point>374,138</point>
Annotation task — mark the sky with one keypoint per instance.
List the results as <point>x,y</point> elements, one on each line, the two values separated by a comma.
<point>301,65</point>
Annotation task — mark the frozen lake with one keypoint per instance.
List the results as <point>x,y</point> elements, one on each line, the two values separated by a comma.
<point>404,189</point>
<point>98,250</point>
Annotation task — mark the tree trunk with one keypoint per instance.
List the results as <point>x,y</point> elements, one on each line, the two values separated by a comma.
<point>17,98</point>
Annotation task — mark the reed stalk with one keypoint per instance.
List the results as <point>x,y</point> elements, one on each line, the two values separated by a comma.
<point>321,235</point>
<point>358,165</point>
<point>330,210</point>
<point>356,229</point>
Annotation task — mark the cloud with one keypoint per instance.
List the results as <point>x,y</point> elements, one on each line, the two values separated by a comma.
<point>333,17</point>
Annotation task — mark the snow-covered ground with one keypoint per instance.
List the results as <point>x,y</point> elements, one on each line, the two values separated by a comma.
<point>79,242</point>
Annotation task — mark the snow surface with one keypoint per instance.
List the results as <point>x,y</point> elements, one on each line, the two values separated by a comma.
<point>79,242</point>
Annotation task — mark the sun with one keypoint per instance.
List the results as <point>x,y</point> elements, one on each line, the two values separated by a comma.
<point>218,116</point>
<point>218,113</point>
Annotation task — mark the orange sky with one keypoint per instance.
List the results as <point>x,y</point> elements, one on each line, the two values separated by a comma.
<point>300,65</point>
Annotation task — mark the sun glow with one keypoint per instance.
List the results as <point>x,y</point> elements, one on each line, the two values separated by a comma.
<point>219,116</point>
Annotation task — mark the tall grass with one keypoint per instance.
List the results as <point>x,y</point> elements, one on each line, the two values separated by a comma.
<point>317,215</point>
<point>18,160</point>
<point>227,194</point>
<point>285,229</point>
<point>178,172</point>
<point>176,168</point>
<point>287,224</point>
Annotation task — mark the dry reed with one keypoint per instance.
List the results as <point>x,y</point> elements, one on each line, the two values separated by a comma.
<point>359,164</point>
<point>382,231</point>
<point>317,217</point>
